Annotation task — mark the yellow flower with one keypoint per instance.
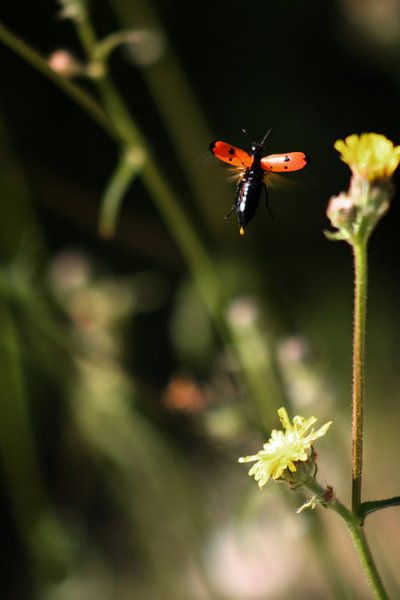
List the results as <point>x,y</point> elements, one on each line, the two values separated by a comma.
<point>284,448</point>
<point>371,155</point>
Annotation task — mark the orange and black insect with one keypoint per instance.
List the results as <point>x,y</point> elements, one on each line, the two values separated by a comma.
<point>253,170</point>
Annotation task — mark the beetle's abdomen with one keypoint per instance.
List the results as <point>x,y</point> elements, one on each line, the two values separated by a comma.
<point>247,197</point>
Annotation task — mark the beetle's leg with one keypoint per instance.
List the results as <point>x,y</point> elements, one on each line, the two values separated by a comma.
<point>228,214</point>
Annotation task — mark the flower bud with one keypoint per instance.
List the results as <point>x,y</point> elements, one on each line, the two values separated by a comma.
<point>372,159</point>
<point>341,211</point>
<point>64,63</point>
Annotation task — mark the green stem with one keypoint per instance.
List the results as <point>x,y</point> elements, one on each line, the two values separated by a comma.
<point>360,309</point>
<point>359,539</point>
<point>18,453</point>
<point>367,508</point>
<point>360,542</point>
<point>75,92</point>
<point>128,167</point>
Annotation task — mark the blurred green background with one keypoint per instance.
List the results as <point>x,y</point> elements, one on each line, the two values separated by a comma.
<point>132,376</point>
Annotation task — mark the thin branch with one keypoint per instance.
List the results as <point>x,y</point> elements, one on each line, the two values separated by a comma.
<point>74,91</point>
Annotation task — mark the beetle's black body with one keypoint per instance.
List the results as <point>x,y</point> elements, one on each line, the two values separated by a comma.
<point>250,187</point>
<point>254,169</point>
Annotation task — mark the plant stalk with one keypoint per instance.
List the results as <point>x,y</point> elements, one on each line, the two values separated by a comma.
<point>359,539</point>
<point>359,325</point>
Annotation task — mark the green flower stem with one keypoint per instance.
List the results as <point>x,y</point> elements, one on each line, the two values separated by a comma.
<point>112,41</point>
<point>128,167</point>
<point>361,546</point>
<point>72,90</point>
<point>360,542</point>
<point>360,309</point>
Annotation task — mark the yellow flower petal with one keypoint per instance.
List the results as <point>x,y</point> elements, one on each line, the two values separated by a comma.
<point>370,155</point>
<point>284,448</point>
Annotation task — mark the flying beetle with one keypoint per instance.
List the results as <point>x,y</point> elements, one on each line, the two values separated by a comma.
<point>254,169</point>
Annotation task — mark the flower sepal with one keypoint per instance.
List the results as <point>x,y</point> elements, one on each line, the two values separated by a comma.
<point>304,474</point>
<point>335,236</point>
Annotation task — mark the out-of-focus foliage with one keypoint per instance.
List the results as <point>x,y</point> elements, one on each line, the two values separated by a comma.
<point>124,405</point>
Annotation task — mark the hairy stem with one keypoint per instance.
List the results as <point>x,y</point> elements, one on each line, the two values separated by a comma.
<point>360,309</point>
<point>359,539</point>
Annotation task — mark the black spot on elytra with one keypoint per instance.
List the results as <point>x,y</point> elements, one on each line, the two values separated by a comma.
<point>285,167</point>
<point>231,150</point>
<point>287,159</point>
<point>230,160</point>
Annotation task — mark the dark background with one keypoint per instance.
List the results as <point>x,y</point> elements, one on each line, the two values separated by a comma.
<point>124,407</point>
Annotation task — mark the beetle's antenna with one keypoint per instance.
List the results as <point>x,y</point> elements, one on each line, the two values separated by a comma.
<point>265,137</point>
